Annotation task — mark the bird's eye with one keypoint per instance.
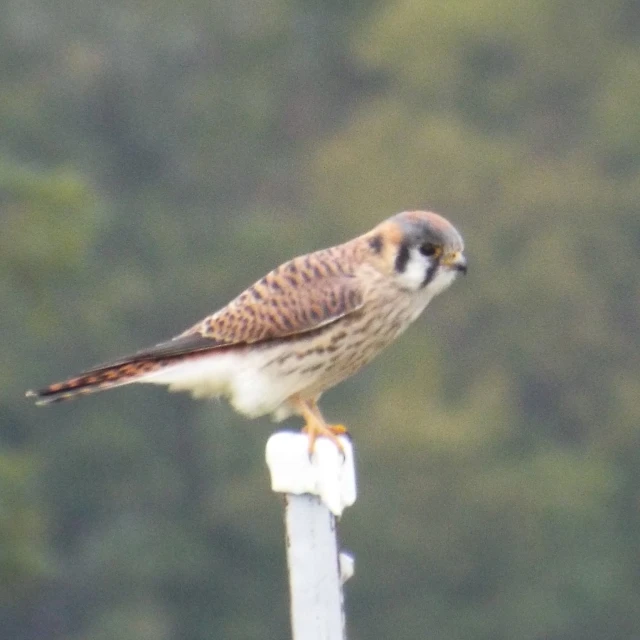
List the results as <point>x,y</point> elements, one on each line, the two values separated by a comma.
<point>428,249</point>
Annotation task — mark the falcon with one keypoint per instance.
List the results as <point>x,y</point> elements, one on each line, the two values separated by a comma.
<point>304,327</point>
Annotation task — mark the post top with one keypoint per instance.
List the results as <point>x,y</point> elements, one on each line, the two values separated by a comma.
<point>326,474</point>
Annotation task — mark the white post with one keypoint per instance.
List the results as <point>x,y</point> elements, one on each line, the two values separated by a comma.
<point>317,491</point>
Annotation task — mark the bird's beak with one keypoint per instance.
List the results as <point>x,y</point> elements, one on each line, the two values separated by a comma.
<point>456,261</point>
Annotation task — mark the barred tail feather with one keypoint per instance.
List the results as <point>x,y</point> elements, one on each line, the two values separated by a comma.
<point>138,367</point>
<point>101,379</point>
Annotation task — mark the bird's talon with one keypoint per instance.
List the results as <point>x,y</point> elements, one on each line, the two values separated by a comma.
<point>315,427</point>
<point>315,431</point>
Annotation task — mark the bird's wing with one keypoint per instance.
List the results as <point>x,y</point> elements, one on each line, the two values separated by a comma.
<point>299,296</point>
<point>302,295</point>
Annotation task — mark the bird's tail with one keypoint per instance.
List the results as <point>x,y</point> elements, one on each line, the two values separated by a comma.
<point>139,367</point>
<point>100,379</point>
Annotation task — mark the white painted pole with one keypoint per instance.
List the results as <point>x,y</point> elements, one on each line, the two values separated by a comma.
<point>317,491</point>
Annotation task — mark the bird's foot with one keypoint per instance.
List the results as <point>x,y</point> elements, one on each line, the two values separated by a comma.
<point>315,429</point>
<point>315,426</point>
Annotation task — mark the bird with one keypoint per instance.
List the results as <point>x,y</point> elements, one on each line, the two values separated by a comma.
<point>301,329</point>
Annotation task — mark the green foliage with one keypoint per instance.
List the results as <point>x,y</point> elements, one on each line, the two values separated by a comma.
<point>156,157</point>
<point>23,555</point>
<point>48,220</point>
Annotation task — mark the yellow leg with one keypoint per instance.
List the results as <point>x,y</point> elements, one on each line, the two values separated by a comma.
<point>336,429</point>
<point>315,426</point>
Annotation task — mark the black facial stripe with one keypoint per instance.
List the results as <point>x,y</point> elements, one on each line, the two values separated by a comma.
<point>376,243</point>
<point>402,258</point>
<point>431,272</point>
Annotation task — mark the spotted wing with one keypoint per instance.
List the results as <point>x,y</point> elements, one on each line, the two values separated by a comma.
<point>300,296</point>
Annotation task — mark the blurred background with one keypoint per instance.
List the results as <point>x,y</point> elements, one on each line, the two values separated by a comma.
<point>157,157</point>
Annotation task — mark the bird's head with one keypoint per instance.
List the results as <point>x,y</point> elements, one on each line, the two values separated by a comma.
<point>419,249</point>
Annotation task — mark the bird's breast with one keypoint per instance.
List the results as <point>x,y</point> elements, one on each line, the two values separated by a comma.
<point>309,365</point>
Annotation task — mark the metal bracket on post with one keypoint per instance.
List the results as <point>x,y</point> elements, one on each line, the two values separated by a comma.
<point>317,490</point>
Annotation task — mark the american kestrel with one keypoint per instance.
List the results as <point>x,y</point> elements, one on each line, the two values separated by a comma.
<point>300,330</point>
